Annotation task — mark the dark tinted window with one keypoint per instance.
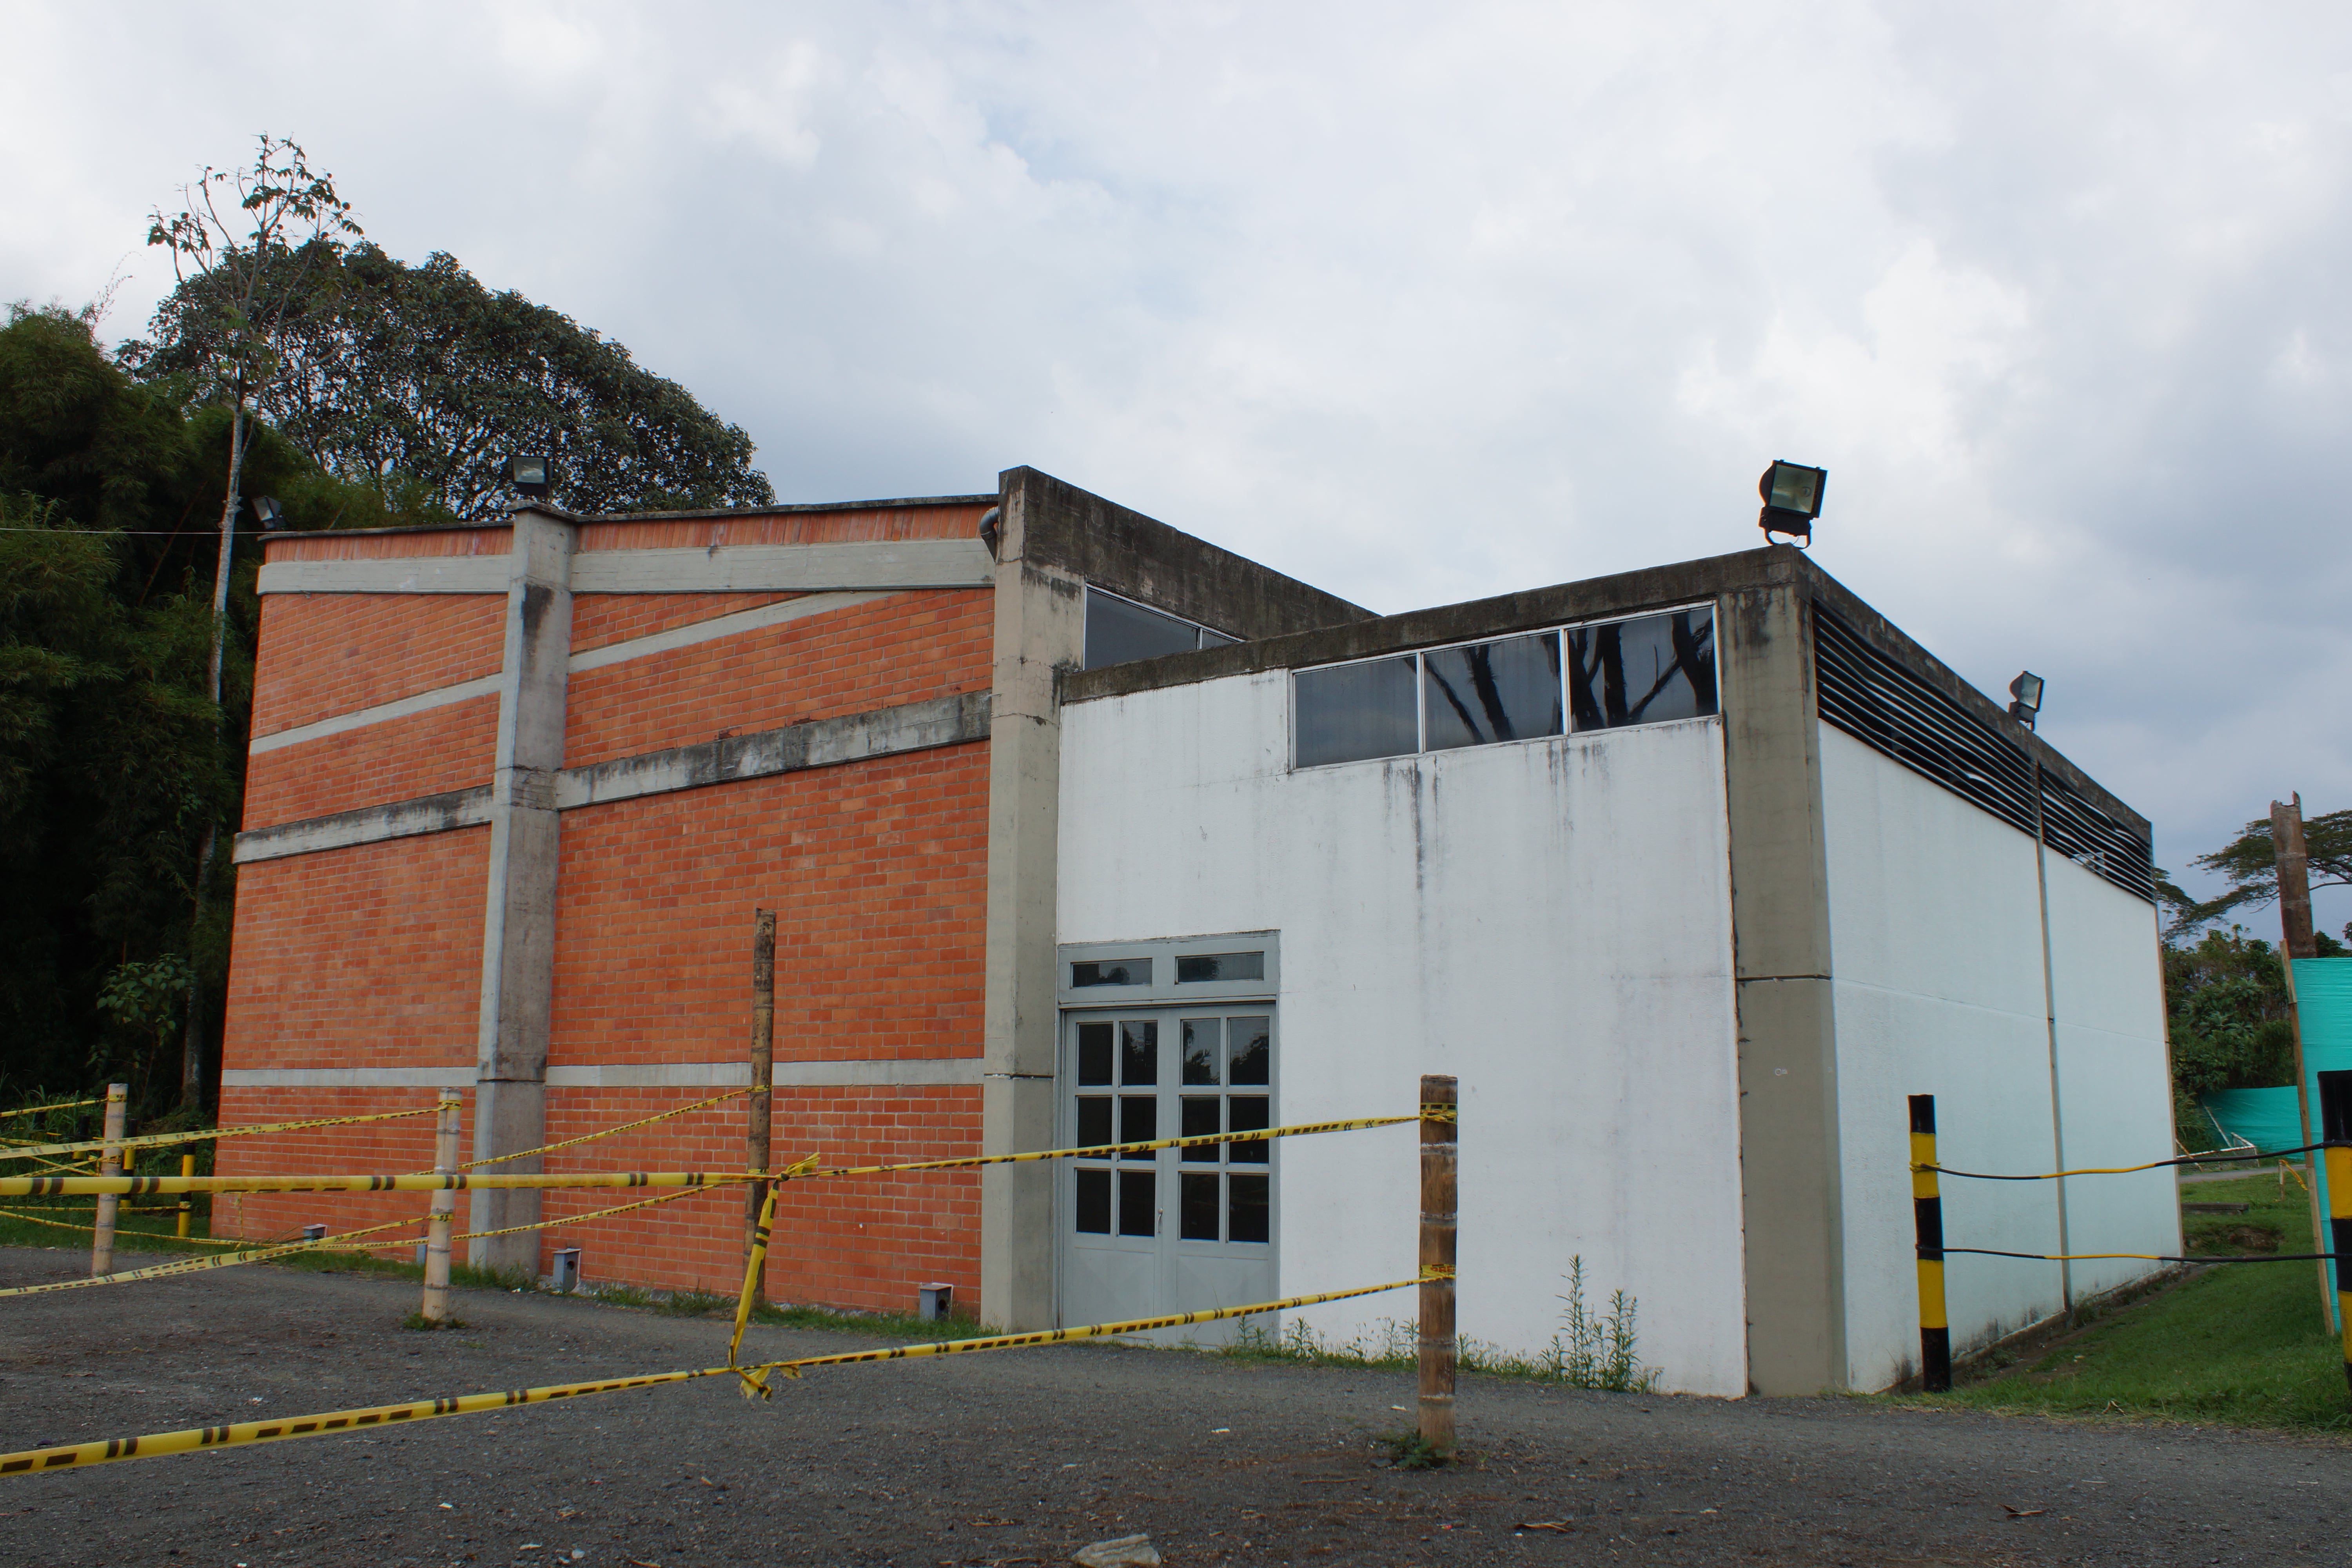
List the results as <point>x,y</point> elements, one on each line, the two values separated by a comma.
<point>1506,691</point>
<point>1245,1215</point>
<point>1094,1202</point>
<point>1209,966</point>
<point>1118,631</point>
<point>1354,711</point>
<point>1111,972</point>
<point>1642,672</point>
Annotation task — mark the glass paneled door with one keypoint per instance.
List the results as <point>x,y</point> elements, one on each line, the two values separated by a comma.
<point>1173,1230</point>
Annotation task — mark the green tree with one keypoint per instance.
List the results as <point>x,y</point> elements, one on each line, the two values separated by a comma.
<point>2249,865</point>
<point>255,268</point>
<point>420,382</point>
<point>111,766</point>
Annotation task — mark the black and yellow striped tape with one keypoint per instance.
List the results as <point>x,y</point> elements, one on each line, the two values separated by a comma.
<point>20,1186</point>
<point>159,1140</point>
<point>83,1455</point>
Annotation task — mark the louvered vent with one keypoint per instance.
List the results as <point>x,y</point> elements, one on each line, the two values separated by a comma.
<point>1890,710</point>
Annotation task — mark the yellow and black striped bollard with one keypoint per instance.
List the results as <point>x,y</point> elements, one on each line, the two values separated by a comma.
<point>2335,1128</point>
<point>1927,1214</point>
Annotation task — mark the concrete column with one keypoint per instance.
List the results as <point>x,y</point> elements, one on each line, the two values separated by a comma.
<point>1789,1175</point>
<point>519,920</point>
<point>1040,630</point>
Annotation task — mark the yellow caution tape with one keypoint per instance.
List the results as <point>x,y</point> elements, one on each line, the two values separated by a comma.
<point>36,1186</point>
<point>123,1230</point>
<point>461,1181</point>
<point>61,1105</point>
<point>85,1454</point>
<point>608,1132</point>
<point>1106,1151</point>
<point>197,1264</point>
<point>159,1140</point>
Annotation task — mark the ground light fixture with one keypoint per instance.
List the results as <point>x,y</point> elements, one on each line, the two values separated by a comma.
<point>268,512</point>
<point>1792,499</point>
<point>533,476</point>
<point>2027,691</point>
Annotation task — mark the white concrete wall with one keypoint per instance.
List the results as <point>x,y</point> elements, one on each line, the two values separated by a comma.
<point>2114,1082</point>
<point>1548,920</point>
<point>1936,937</point>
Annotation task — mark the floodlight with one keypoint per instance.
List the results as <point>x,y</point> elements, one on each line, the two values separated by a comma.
<point>268,513</point>
<point>1792,499</point>
<point>533,476</point>
<point>2027,691</point>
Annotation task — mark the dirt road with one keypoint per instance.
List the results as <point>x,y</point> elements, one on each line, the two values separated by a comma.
<point>1024,1456</point>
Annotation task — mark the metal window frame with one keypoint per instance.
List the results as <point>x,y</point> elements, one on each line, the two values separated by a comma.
<point>1421,677</point>
<point>1164,990</point>
<point>1198,626</point>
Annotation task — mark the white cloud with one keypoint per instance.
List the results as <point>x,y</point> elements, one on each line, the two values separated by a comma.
<point>1417,303</point>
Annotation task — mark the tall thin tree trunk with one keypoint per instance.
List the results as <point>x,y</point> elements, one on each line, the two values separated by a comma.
<point>192,1055</point>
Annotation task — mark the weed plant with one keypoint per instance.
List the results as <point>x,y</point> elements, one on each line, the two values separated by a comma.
<point>1589,1350</point>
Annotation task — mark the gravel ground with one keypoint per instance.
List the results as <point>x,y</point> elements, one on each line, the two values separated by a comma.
<point>1026,1456</point>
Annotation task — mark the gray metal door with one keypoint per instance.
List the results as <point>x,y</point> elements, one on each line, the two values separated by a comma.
<point>1174,1230</point>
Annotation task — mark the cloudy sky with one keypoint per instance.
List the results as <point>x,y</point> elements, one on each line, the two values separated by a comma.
<point>1416,302</point>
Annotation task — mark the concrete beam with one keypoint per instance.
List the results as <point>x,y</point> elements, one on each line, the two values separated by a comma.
<point>895,1072</point>
<point>1040,635</point>
<point>366,825</point>
<point>772,568</point>
<point>1790,1181</point>
<point>393,574</point>
<point>517,991</point>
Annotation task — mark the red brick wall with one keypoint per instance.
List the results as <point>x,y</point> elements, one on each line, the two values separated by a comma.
<point>371,955</point>
<point>326,654</point>
<point>399,759</point>
<point>903,648</point>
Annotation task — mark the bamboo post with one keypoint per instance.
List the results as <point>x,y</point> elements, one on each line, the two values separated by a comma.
<point>187,1200</point>
<point>109,1163</point>
<point>436,1309</point>
<point>763,1083</point>
<point>1440,1192</point>
<point>1928,1220</point>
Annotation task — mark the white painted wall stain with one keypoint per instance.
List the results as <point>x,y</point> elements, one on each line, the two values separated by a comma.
<point>1547,921</point>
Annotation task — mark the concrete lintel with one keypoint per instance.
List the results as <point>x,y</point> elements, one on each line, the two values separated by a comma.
<point>822,743</point>
<point>366,825</point>
<point>389,574</point>
<point>772,568</point>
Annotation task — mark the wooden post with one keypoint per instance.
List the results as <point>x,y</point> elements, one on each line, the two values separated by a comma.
<point>2296,941</point>
<point>1440,1192</point>
<point>445,1148</point>
<point>763,1084</point>
<point>187,1200</point>
<point>109,1163</point>
<point>1927,1222</point>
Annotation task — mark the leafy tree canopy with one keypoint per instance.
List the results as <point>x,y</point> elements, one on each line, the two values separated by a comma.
<point>420,382</point>
<point>111,765</point>
<point>2250,864</point>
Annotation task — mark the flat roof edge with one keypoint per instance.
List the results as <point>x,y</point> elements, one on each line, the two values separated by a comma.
<point>1622,593</point>
<point>781,509</point>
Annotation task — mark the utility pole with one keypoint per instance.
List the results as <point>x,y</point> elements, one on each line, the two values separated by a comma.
<point>2296,941</point>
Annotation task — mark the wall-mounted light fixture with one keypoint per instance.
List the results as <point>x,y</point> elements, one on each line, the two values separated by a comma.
<point>1792,499</point>
<point>533,476</point>
<point>268,512</point>
<point>2027,691</point>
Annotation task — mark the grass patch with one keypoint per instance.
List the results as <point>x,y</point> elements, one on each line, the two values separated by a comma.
<point>2240,1346</point>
